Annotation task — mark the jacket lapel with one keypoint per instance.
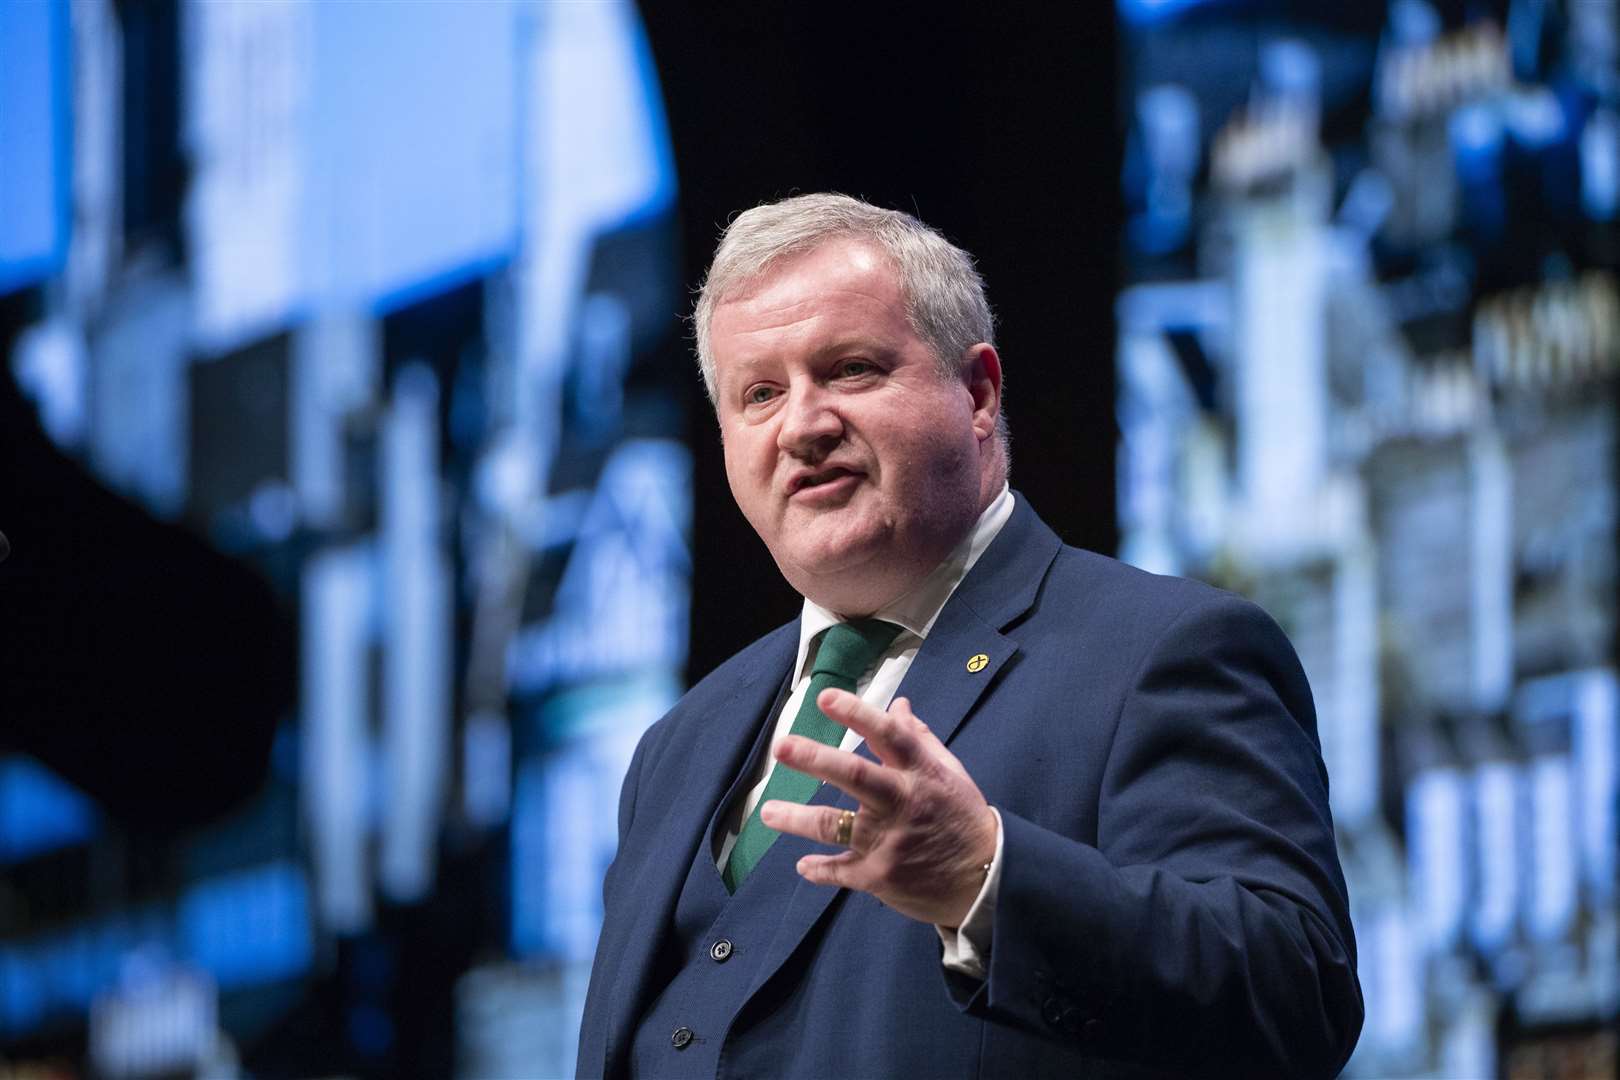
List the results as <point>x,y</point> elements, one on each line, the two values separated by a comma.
<point>941,684</point>
<point>721,730</point>
<point>967,647</point>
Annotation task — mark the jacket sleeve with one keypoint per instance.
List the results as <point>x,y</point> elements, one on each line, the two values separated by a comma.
<point>1208,928</point>
<point>627,804</point>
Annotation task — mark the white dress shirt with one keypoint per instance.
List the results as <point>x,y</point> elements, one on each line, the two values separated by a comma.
<point>967,947</point>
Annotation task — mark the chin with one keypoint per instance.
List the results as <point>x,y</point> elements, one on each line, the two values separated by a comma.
<point>820,566</point>
<point>853,585</point>
<point>821,552</point>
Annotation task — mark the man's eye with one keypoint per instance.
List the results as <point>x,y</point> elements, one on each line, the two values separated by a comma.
<point>851,368</point>
<point>759,395</point>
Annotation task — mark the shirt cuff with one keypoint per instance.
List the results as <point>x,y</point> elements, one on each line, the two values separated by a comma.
<point>967,948</point>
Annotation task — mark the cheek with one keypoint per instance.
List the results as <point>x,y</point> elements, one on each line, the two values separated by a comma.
<point>748,468</point>
<point>734,475</point>
<point>933,448</point>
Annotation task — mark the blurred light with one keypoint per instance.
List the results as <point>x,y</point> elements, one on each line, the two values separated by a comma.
<point>250,927</point>
<point>1536,117</point>
<point>508,477</point>
<point>248,99</point>
<point>601,143</point>
<point>1552,877</point>
<point>1435,816</point>
<point>1476,137</point>
<point>39,812</point>
<point>486,754</point>
<point>413,151</point>
<point>604,361</point>
<point>502,1028</point>
<point>335,638</point>
<point>158,1022</point>
<point>1600,165</point>
<point>1367,204</point>
<point>1281,294</point>
<point>1152,11</point>
<point>1394,993</point>
<point>621,604</point>
<point>34,155</point>
<point>60,973</point>
<point>417,628</point>
<point>1490,472</point>
<point>1497,849</point>
<point>273,508</point>
<point>1413,23</point>
<point>565,814</point>
<point>1349,724</point>
<point>336,372</point>
<point>1168,120</point>
<point>1290,70</point>
<point>1596,752</point>
<point>51,368</point>
<point>345,168</point>
<point>139,394</point>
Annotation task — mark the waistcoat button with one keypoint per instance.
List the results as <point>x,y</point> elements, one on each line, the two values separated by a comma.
<point>682,1036</point>
<point>720,951</point>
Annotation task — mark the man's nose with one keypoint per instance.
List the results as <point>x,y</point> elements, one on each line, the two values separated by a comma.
<point>809,421</point>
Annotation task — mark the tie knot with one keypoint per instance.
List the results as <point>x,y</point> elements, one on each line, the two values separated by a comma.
<point>848,648</point>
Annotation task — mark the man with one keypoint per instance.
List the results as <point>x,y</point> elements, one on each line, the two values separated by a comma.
<point>1074,819</point>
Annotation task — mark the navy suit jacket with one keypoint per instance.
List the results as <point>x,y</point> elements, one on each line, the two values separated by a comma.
<point>1171,897</point>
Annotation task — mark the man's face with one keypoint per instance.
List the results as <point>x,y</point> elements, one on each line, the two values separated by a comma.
<point>855,460</point>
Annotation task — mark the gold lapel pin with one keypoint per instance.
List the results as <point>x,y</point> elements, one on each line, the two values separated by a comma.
<point>976,663</point>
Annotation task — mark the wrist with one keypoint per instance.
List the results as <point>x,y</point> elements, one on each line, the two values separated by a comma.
<point>976,873</point>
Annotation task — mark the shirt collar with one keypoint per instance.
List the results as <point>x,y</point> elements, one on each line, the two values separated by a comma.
<point>917,610</point>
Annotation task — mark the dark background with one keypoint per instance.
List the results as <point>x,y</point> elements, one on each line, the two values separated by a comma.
<point>999,130</point>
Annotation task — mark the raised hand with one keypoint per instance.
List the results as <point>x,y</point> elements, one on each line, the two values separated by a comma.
<point>924,831</point>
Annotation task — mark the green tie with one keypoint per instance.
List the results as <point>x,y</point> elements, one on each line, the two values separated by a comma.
<point>847,650</point>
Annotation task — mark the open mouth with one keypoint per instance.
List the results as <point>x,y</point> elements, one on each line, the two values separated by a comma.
<point>821,479</point>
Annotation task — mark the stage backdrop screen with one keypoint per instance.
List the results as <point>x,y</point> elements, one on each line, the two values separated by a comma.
<point>1366,364</point>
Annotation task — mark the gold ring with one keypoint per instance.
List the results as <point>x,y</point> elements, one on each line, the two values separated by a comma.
<point>846,828</point>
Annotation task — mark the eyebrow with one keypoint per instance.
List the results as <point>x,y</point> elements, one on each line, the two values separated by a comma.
<point>860,345</point>
<point>841,346</point>
<point>867,346</point>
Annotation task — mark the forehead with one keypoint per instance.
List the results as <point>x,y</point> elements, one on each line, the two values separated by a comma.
<point>839,287</point>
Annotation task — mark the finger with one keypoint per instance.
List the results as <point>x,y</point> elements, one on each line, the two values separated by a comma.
<point>928,743</point>
<point>909,722</point>
<point>842,870</point>
<point>891,736</point>
<point>901,708</point>
<point>869,784</point>
<point>818,823</point>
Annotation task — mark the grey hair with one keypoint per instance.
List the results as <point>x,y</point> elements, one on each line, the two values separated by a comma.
<point>945,299</point>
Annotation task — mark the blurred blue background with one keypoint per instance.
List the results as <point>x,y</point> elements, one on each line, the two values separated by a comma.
<point>379,301</point>
<point>350,446</point>
<point>1366,355</point>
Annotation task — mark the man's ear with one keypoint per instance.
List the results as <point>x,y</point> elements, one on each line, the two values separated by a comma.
<point>983,374</point>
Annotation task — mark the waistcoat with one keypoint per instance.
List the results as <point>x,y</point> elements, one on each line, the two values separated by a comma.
<point>711,951</point>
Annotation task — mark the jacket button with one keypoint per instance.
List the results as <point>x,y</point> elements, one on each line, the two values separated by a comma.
<point>682,1036</point>
<point>720,951</point>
